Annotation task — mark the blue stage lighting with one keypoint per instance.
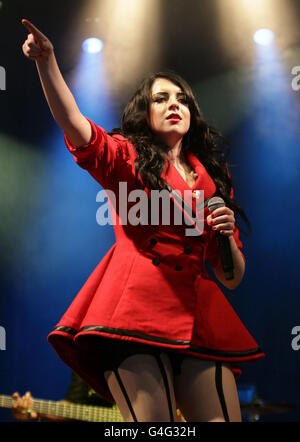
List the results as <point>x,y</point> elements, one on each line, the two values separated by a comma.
<point>92,45</point>
<point>263,37</point>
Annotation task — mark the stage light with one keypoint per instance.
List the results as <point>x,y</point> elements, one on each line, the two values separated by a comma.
<point>263,37</point>
<point>92,45</point>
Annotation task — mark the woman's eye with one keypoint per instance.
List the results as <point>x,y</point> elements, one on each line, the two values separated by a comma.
<point>161,99</point>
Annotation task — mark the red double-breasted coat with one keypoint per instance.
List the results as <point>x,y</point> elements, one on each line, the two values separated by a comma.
<point>152,285</point>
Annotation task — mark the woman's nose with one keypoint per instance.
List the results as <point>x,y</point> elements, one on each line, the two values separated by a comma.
<point>173,104</point>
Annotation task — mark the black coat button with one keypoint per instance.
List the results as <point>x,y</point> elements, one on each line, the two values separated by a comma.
<point>188,250</point>
<point>178,267</point>
<point>155,261</point>
<point>153,241</point>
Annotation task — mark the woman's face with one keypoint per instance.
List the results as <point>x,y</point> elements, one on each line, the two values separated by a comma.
<point>169,115</point>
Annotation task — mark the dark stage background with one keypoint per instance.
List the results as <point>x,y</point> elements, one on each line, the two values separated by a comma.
<point>50,241</point>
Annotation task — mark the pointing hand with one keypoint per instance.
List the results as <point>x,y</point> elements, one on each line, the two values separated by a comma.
<point>37,47</point>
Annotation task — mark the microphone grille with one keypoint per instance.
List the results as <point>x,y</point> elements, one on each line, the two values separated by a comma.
<point>214,203</point>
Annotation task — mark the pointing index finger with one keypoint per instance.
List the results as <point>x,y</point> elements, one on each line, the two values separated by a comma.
<point>33,30</point>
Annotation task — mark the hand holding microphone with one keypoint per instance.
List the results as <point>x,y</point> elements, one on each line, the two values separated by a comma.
<point>222,220</point>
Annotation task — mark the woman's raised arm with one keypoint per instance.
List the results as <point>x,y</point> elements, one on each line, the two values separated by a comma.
<point>61,102</point>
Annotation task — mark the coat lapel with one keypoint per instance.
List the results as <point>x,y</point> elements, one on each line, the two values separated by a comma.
<point>192,207</point>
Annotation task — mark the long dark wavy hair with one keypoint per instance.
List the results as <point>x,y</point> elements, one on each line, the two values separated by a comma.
<point>203,140</point>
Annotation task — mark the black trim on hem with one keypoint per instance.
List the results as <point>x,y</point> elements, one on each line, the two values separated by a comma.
<point>225,353</point>
<point>69,330</point>
<point>121,332</point>
<point>130,333</point>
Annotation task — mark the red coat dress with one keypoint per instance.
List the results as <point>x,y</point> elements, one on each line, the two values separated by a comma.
<point>151,286</point>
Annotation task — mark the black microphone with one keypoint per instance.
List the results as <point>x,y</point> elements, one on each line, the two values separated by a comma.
<point>223,241</point>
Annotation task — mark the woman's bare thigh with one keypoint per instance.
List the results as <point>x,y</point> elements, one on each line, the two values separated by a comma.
<point>142,387</point>
<point>206,391</point>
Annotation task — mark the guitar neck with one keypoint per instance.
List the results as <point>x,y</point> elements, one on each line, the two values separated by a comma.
<point>89,413</point>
